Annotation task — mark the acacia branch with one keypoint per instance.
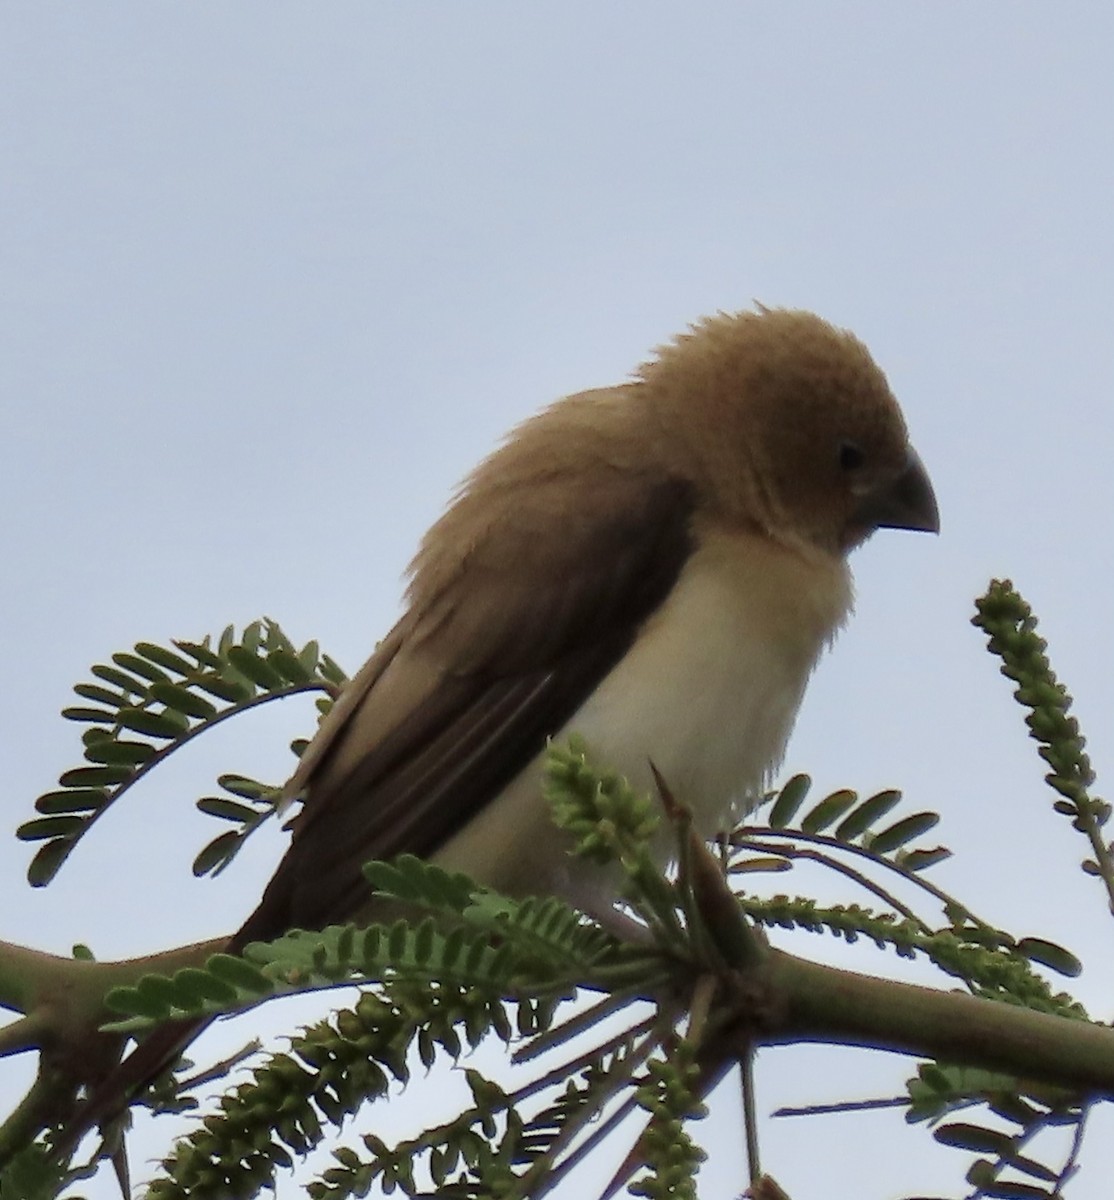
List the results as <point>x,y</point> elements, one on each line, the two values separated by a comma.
<point>793,1000</point>
<point>62,1000</point>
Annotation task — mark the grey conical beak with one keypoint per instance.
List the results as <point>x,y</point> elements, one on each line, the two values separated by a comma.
<point>907,502</point>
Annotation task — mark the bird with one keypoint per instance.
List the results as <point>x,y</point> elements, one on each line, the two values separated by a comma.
<point>656,567</point>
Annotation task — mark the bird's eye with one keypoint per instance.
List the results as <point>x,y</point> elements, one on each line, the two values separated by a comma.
<point>851,457</point>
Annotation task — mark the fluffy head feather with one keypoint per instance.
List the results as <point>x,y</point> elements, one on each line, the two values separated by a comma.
<point>785,423</point>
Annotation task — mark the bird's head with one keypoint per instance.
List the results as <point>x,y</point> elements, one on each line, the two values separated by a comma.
<point>788,423</point>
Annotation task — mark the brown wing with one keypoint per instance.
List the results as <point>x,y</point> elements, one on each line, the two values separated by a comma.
<point>518,610</point>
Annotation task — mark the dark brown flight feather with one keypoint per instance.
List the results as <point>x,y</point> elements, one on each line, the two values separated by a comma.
<point>484,716</point>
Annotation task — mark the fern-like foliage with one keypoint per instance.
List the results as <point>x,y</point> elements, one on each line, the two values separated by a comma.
<point>455,964</point>
<point>1007,1124</point>
<point>991,961</point>
<point>145,704</point>
<point>483,945</point>
<point>503,1144</point>
<point>1012,637</point>
<point>671,1094</point>
<point>472,965</point>
<point>1004,1116</point>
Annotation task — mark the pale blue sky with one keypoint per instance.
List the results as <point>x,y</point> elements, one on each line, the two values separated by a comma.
<point>274,276</point>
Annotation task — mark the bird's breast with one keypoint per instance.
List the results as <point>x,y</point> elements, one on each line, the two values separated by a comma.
<point>710,689</point>
<point>708,692</point>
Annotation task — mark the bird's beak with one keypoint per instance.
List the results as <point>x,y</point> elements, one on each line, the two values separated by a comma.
<point>907,502</point>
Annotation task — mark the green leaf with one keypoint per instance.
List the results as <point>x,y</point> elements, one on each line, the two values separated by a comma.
<point>96,715</point>
<point>60,826</point>
<point>790,798</point>
<point>204,983</point>
<point>167,724</point>
<point>860,819</point>
<point>114,753</point>
<point>118,679</point>
<point>48,859</point>
<point>331,671</point>
<point>372,948</point>
<point>1010,1190</point>
<point>984,935</point>
<point>309,655</point>
<point>232,691</point>
<point>902,831</point>
<point>140,666</point>
<point>389,879</point>
<point>760,865</point>
<point>442,1162</point>
<point>226,810</point>
<point>276,638</point>
<point>213,857</point>
<point>249,789</point>
<point>165,658</point>
<point>72,800</point>
<point>100,695</point>
<point>921,860</point>
<point>289,666</point>
<point>129,1001</point>
<point>95,777</point>
<point>828,811</point>
<point>203,653</point>
<point>1011,1107</point>
<point>345,941</point>
<point>1049,954</point>
<point>1021,1162</point>
<point>238,973</point>
<point>934,1076</point>
<point>258,670</point>
<point>182,700</point>
<point>423,942</point>
<point>155,995</point>
<point>974,1137</point>
<point>398,941</point>
<point>250,640</point>
<point>982,1173</point>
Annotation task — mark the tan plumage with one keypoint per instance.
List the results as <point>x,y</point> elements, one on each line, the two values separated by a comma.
<point>656,565</point>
